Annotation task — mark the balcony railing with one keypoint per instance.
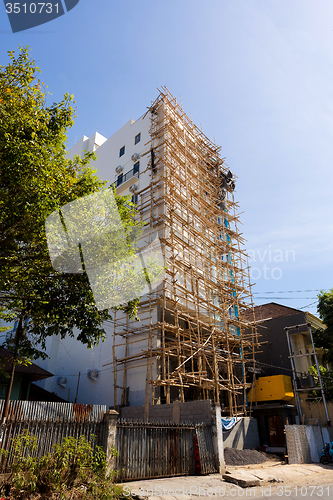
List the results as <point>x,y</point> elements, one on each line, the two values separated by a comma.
<point>134,172</point>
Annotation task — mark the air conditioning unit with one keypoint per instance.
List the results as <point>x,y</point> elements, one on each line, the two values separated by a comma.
<point>135,157</point>
<point>133,188</point>
<point>62,381</point>
<point>119,169</point>
<point>93,374</point>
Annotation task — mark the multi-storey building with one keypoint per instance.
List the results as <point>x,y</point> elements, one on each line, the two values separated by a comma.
<point>190,342</point>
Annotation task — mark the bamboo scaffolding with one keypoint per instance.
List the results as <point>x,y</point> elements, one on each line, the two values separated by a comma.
<point>195,342</point>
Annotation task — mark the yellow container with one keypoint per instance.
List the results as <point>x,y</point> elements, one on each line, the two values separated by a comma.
<point>275,388</point>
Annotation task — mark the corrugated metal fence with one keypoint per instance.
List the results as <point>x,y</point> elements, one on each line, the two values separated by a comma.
<point>146,449</point>
<point>305,442</point>
<point>161,449</point>
<point>51,423</point>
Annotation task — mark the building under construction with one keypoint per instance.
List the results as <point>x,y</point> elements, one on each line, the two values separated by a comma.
<point>191,337</point>
<point>191,341</point>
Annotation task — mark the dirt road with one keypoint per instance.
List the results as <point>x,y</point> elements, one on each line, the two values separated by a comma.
<point>275,481</point>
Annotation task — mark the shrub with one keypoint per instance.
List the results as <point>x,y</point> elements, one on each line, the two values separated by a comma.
<point>74,469</point>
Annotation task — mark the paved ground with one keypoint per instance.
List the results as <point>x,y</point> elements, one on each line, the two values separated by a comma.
<point>306,481</point>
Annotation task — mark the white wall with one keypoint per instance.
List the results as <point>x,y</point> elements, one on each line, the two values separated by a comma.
<point>108,153</point>
<point>87,144</point>
<point>68,357</point>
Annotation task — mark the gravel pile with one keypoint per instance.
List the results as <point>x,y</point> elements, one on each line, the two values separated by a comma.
<point>243,457</point>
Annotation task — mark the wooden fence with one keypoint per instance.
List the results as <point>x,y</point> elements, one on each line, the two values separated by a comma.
<point>51,423</point>
<point>208,459</point>
<point>148,450</point>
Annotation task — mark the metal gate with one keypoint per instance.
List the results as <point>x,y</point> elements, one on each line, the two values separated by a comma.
<point>148,450</point>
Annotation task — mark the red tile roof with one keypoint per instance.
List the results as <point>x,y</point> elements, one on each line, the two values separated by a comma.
<point>269,311</point>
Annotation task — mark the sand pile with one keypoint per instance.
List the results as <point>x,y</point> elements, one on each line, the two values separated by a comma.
<point>243,457</point>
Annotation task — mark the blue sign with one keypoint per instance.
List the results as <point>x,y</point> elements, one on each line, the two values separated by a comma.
<point>30,13</point>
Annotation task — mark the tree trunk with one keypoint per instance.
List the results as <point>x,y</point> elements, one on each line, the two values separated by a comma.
<point>18,336</point>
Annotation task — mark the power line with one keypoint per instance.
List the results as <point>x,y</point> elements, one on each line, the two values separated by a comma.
<point>256,362</point>
<point>294,291</point>
<point>308,305</point>
<point>288,298</point>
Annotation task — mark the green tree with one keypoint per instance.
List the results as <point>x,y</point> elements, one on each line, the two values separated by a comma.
<point>324,337</point>
<point>37,178</point>
<point>327,380</point>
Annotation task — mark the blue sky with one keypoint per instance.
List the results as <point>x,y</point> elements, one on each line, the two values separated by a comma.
<point>256,73</point>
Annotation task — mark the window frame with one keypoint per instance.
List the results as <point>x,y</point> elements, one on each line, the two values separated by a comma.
<point>135,138</point>
<point>120,179</point>
<point>136,167</point>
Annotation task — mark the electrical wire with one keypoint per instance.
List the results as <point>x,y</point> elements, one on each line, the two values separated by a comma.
<point>294,291</point>
<point>288,298</point>
<point>308,305</point>
<point>269,365</point>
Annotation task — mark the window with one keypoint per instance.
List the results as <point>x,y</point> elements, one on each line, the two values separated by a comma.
<point>119,180</point>
<point>135,198</point>
<point>136,167</point>
<point>122,151</point>
<point>137,138</point>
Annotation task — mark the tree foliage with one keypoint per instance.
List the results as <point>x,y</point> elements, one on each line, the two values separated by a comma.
<point>37,178</point>
<point>324,337</point>
<point>73,469</point>
<point>327,381</point>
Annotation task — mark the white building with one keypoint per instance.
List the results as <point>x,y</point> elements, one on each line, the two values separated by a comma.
<point>69,358</point>
<point>189,342</point>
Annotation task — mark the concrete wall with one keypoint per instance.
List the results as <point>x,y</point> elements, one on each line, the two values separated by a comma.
<point>68,357</point>
<point>192,411</point>
<point>108,149</point>
<point>274,350</point>
<point>244,435</point>
<point>314,414</point>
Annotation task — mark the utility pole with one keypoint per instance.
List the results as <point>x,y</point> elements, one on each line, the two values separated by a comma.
<point>77,388</point>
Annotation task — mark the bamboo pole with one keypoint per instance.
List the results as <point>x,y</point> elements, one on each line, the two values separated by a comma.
<point>206,288</point>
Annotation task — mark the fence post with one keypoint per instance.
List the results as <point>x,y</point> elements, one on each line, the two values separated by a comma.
<point>147,399</point>
<point>218,440</point>
<point>176,412</point>
<point>110,418</point>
